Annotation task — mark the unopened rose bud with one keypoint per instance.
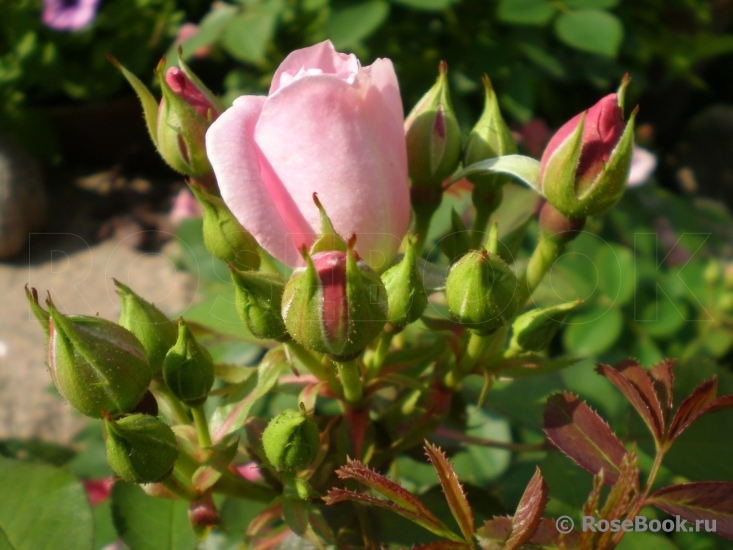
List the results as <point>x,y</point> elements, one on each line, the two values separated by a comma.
<point>178,124</point>
<point>336,304</point>
<point>585,167</point>
<point>258,298</point>
<point>405,291</point>
<point>224,236</point>
<point>433,135</point>
<point>533,331</point>
<point>291,441</point>
<point>155,331</point>
<point>490,138</point>
<point>482,292</point>
<point>140,448</point>
<point>95,364</point>
<point>188,368</point>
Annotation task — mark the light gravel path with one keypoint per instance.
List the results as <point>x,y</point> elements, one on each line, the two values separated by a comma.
<point>79,277</point>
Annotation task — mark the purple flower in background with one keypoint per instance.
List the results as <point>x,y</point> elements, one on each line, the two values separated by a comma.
<point>69,15</point>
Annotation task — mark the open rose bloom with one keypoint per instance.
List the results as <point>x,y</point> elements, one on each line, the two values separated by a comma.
<point>328,126</point>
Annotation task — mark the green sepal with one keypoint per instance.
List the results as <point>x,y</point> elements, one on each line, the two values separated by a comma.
<point>140,448</point>
<point>188,368</point>
<point>258,299</point>
<point>328,239</point>
<point>224,237</point>
<point>96,365</point>
<point>558,178</point>
<point>147,100</point>
<point>210,96</point>
<point>152,328</point>
<point>38,312</point>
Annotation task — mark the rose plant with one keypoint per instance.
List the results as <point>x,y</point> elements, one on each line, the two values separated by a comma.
<point>384,353</point>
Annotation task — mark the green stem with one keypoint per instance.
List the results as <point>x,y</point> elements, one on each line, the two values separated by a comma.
<point>350,375</point>
<point>542,259</point>
<point>202,425</point>
<point>380,354</point>
<point>422,226</point>
<point>474,350</point>
<point>314,365</point>
<point>182,491</point>
<point>186,465</point>
<point>235,486</point>
<point>177,412</point>
<point>478,230</point>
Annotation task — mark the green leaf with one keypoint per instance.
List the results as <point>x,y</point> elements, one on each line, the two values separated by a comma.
<point>251,32</point>
<point>230,416</point>
<point>591,4</point>
<point>209,31</point>
<point>147,523</point>
<point>525,12</point>
<point>427,5</point>
<point>348,26</point>
<point>644,541</point>
<point>42,508</point>
<point>591,31</point>
<point>479,464</point>
<point>616,263</point>
<point>524,169</point>
<point>593,331</point>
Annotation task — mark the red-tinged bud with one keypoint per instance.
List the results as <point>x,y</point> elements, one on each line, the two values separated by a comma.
<point>336,304</point>
<point>203,516</point>
<point>96,365</point>
<point>585,166</point>
<point>184,88</point>
<point>433,135</point>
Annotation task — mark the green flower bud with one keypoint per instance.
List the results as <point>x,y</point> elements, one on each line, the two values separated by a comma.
<point>155,331</point>
<point>140,448</point>
<point>533,331</point>
<point>188,369</point>
<point>336,304</point>
<point>291,441</point>
<point>259,300</point>
<point>405,291</point>
<point>490,138</point>
<point>96,365</point>
<point>224,236</point>
<point>482,291</point>
<point>433,135</point>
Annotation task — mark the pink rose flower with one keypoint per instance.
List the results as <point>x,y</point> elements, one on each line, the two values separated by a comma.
<point>328,126</point>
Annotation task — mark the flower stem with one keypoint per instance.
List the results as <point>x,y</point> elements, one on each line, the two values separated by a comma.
<point>380,354</point>
<point>314,365</point>
<point>232,485</point>
<point>542,259</point>
<point>182,491</point>
<point>350,375</point>
<point>202,425</point>
<point>176,411</point>
<point>475,348</point>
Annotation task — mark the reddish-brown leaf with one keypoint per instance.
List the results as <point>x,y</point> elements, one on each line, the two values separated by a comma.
<point>579,432</point>
<point>529,512</point>
<point>494,532</point>
<point>701,500</point>
<point>634,382</point>
<point>431,523</point>
<point>443,545</point>
<point>590,508</point>
<point>620,499</point>
<point>693,407</point>
<point>459,506</point>
<point>663,378</point>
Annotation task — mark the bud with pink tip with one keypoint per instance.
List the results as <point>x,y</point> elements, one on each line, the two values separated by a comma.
<point>585,166</point>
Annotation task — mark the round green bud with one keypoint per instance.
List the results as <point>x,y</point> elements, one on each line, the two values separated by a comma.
<point>96,364</point>
<point>188,368</point>
<point>482,292</point>
<point>258,298</point>
<point>405,291</point>
<point>291,441</point>
<point>141,448</point>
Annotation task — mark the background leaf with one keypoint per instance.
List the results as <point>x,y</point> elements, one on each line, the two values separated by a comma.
<point>348,26</point>
<point>42,508</point>
<point>592,31</point>
<point>525,12</point>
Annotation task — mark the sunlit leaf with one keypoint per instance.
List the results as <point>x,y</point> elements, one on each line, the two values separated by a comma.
<point>527,518</point>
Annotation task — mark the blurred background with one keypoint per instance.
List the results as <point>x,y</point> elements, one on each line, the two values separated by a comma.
<point>84,196</point>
